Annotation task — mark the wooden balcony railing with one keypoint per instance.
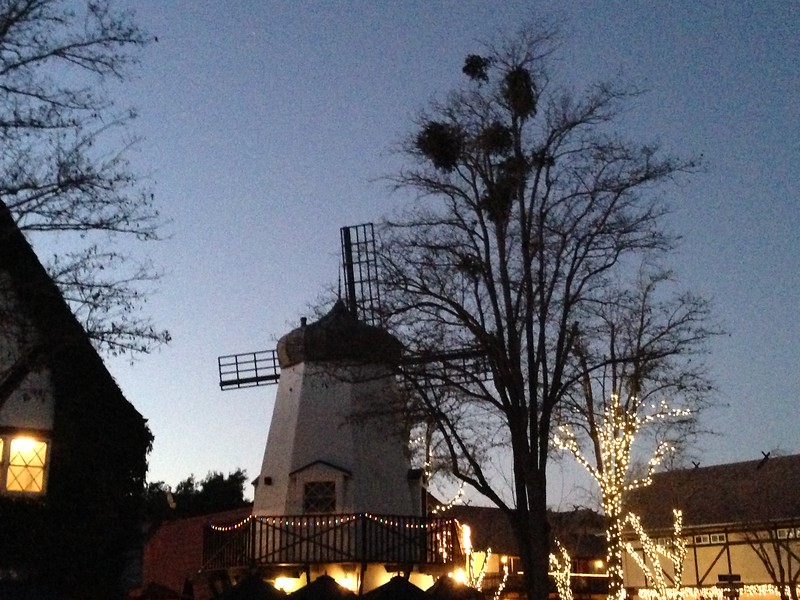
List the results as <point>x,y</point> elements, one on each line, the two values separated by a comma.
<point>307,539</point>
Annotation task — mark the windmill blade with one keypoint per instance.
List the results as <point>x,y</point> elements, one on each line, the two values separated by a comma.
<point>458,366</point>
<point>248,369</point>
<point>360,269</point>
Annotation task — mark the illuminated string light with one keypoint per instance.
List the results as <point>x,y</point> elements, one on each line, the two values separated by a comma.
<point>714,593</point>
<point>615,431</point>
<point>448,505</point>
<point>477,582</point>
<point>502,586</point>
<point>651,564</point>
<point>561,567</point>
<point>233,527</point>
<point>333,521</point>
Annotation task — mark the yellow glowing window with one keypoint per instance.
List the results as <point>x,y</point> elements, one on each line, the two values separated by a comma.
<point>26,463</point>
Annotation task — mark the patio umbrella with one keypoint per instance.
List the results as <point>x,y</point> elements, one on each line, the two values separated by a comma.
<point>252,587</point>
<point>447,588</point>
<point>397,588</point>
<point>322,588</point>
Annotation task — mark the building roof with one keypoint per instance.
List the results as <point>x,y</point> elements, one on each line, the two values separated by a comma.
<point>580,531</point>
<point>55,329</point>
<point>338,336</point>
<point>743,493</point>
<point>174,551</point>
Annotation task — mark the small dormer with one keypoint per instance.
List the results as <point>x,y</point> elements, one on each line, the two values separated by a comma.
<point>319,488</point>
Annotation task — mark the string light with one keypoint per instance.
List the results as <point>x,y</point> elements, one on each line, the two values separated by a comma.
<point>502,586</point>
<point>241,523</point>
<point>714,593</point>
<point>477,582</point>
<point>561,567</point>
<point>651,564</point>
<point>299,521</point>
<point>615,432</point>
<point>448,505</point>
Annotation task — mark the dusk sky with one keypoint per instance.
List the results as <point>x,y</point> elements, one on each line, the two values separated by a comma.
<point>268,125</point>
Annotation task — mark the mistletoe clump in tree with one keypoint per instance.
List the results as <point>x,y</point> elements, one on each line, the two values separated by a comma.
<point>530,209</point>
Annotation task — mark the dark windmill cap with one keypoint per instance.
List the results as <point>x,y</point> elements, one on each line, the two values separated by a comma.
<point>338,336</point>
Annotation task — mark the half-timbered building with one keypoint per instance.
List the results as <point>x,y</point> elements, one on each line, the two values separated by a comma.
<point>73,450</point>
<point>741,527</point>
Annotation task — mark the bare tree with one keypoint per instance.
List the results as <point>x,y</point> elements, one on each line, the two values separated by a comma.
<point>643,384</point>
<point>63,167</point>
<point>530,210</point>
<point>778,549</point>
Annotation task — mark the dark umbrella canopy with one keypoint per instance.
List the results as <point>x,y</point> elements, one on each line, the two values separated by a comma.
<point>446,588</point>
<point>322,588</point>
<point>252,587</point>
<point>397,588</point>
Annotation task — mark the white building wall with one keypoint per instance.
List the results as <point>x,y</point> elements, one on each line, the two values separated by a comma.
<point>329,414</point>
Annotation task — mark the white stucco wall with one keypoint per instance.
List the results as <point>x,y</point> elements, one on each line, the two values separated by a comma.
<point>341,418</point>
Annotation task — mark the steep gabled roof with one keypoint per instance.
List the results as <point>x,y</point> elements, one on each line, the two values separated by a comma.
<point>745,493</point>
<point>580,531</point>
<point>97,448</point>
<point>61,338</point>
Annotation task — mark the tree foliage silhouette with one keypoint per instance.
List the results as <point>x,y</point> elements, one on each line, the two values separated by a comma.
<point>530,211</point>
<point>64,174</point>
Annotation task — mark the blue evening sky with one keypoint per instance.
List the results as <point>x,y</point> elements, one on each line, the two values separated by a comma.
<point>268,125</point>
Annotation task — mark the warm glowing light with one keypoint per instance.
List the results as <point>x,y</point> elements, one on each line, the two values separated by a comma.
<point>561,566</point>
<point>26,465</point>
<point>614,435</point>
<point>23,445</point>
<point>650,561</point>
<point>713,593</point>
<point>459,575</point>
<point>287,584</point>
<point>502,586</point>
<point>348,581</point>
<point>466,538</point>
<point>453,501</point>
<point>599,564</point>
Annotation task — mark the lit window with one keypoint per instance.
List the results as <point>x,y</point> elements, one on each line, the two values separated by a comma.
<point>26,462</point>
<point>319,497</point>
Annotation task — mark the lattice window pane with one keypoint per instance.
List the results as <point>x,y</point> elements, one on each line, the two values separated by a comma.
<point>26,465</point>
<point>319,497</point>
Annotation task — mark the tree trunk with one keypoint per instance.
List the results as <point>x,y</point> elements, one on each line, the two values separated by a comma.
<point>533,536</point>
<point>616,582</point>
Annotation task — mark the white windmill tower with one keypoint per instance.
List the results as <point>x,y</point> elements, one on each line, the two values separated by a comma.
<point>336,442</point>
<point>335,493</point>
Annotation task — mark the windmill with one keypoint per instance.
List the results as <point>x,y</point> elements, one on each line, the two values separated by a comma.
<point>362,298</point>
<point>335,488</point>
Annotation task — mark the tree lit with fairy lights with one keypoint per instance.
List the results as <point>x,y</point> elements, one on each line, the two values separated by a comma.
<point>613,438</point>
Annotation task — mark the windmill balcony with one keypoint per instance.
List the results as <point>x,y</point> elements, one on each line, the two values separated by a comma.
<point>331,538</point>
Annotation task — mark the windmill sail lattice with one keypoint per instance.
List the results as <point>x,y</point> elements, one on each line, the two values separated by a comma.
<point>361,272</point>
<point>362,297</point>
<point>363,300</point>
